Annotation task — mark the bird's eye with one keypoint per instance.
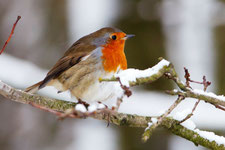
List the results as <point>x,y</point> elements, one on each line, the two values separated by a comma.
<point>114,37</point>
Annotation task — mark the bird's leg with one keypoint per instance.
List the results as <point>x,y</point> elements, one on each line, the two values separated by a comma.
<point>118,102</point>
<point>108,112</point>
<point>103,104</point>
<point>83,102</point>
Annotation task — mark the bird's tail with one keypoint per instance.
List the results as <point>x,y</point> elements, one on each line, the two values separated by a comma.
<point>34,88</point>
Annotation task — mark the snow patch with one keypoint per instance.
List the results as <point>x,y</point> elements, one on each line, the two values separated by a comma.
<point>101,106</point>
<point>95,106</point>
<point>149,126</point>
<point>175,90</point>
<point>211,136</point>
<point>81,108</point>
<point>181,115</point>
<point>130,75</point>
<point>92,108</point>
<point>189,124</point>
<point>210,94</point>
<point>154,120</point>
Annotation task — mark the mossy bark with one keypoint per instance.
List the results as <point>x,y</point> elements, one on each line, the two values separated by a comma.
<point>116,118</point>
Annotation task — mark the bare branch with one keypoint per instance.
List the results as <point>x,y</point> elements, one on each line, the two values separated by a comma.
<point>9,38</point>
<point>187,77</point>
<point>192,94</point>
<point>148,132</point>
<point>63,109</point>
<point>205,84</point>
<point>23,97</point>
<point>192,112</point>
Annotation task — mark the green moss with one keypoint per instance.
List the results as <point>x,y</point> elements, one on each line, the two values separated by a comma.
<point>190,135</point>
<point>54,104</point>
<point>124,122</point>
<point>116,118</point>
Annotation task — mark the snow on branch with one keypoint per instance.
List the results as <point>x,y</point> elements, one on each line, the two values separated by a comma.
<point>210,136</point>
<point>199,94</point>
<point>65,109</point>
<point>209,94</point>
<point>133,77</point>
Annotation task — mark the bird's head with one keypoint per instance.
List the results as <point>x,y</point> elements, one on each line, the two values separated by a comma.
<point>112,42</point>
<point>106,36</point>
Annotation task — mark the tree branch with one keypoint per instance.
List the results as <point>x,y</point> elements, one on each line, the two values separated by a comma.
<point>152,126</point>
<point>23,97</point>
<point>197,95</point>
<point>9,38</point>
<point>169,71</point>
<point>115,118</point>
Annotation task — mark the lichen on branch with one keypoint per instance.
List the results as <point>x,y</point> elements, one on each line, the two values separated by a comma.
<point>116,118</point>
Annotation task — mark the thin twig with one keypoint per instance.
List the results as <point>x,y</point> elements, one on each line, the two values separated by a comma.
<point>205,84</point>
<point>118,102</point>
<point>220,107</point>
<point>192,112</point>
<point>57,113</point>
<point>191,94</point>
<point>72,113</point>
<point>188,80</point>
<point>187,77</point>
<point>12,31</point>
<point>127,91</point>
<point>146,135</point>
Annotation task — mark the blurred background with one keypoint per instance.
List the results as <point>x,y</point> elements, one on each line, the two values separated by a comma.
<point>188,33</point>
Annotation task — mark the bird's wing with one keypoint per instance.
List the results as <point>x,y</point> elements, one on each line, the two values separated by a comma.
<point>71,57</point>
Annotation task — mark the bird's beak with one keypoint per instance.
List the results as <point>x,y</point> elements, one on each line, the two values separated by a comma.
<point>128,36</point>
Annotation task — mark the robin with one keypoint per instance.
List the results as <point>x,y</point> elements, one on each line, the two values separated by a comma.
<point>97,55</point>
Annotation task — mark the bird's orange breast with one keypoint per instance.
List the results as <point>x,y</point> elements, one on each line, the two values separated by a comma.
<point>113,56</point>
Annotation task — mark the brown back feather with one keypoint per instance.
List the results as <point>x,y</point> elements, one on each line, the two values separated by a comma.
<point>71,57</point>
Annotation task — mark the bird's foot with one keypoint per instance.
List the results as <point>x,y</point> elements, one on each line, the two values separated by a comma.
<point>84,103</point>
<point>103,104</point>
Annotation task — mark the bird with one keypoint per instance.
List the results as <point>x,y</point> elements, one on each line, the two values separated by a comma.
<point>94,56</point>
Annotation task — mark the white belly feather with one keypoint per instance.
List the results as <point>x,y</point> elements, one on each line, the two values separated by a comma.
<point>102,91</point>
